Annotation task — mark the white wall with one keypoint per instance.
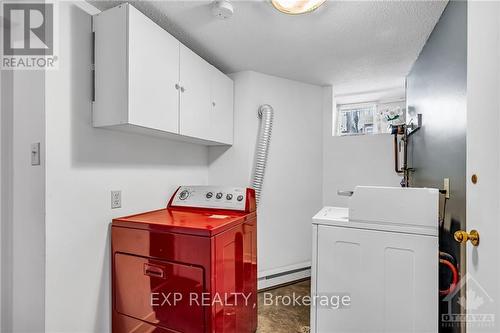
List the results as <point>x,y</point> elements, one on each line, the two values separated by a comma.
<point>387,94</point>
<point>353,160</point>
<point>83,165</point>
<point>292,187</point>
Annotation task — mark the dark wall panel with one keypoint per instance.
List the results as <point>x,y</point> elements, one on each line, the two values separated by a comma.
<point>436,88</point>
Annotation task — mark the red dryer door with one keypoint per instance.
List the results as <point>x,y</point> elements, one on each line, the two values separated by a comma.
<point>159,292</point>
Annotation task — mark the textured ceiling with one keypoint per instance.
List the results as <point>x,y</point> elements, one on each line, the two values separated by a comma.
<point>354,46</point>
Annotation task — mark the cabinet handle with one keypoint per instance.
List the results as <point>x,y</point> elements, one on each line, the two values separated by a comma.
<point>183,89</point>
<point>177,86</point>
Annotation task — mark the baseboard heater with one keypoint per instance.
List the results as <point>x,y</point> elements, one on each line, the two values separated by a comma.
<point>275,280</point>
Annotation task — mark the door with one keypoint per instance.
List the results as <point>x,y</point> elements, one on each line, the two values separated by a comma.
<point>159,292</point>
<point>483,155</point>
<point>195,95</point>
<point>221,113</point>
<point>153,65</point>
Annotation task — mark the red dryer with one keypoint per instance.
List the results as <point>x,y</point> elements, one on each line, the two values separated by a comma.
<point>191,267</point>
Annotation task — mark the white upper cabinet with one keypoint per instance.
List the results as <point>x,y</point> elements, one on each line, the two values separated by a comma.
<point>136,69</point>
<point>153,71</point>
<point>195,95</point>
<point>221,113</point>
<point>146,81</point>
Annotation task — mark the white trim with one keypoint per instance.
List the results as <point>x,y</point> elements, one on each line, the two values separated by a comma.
<point>6,174</point>
<point>87,7</point>
<point>284,269</point>
<point>355,106</point>
<point>264,283</point>
<point>275,277</point>
<point>314,277</point>
<point>376,102</point>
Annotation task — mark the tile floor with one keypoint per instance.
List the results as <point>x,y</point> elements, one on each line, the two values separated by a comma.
<point>283,318</point>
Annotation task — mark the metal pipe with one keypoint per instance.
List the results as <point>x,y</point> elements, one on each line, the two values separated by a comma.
<point>396,154</point>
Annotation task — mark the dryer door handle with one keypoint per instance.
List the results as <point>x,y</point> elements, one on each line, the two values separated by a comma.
<point>154,271</point>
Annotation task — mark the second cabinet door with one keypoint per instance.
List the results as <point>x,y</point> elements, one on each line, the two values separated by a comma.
<point>153,60</point>
<point>221,114</point>
<point>195,103</point>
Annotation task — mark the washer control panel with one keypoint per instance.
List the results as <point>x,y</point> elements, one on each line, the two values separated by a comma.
<point>233,198</point>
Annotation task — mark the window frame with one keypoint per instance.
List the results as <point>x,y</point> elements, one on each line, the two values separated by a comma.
<point>352,107</point>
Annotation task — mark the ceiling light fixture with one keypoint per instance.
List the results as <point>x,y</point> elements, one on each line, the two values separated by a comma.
<point>222,9</point>
<point>296,7</point>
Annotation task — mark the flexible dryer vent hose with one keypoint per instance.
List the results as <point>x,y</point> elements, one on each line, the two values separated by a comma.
<point>262,149</point>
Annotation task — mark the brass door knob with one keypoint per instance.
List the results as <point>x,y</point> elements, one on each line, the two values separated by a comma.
<point>462,237</point>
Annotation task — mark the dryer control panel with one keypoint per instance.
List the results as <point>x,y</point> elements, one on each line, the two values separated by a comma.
<point>215,197</point>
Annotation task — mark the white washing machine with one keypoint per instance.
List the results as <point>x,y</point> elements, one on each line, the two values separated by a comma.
<point>375,262</point>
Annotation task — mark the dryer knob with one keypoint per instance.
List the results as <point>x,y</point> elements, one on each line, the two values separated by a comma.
<point>218,195</point>
<point>184,195</point>
<point>239,198</point>
<point>209,195</point>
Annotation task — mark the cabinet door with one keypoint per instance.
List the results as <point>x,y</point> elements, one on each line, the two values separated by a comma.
<point>153,66</point>
<point>221,115</point>
<point>391,280</point>
<point>195,95</point>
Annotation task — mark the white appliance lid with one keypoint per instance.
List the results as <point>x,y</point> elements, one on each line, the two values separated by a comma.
<point>406,210</point>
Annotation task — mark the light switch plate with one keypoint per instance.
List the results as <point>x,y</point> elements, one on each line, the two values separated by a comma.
<point>35,153</point>
<point>116,199</point>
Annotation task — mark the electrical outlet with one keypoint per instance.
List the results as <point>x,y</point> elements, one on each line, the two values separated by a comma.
<point>116,199</point>
<point>446,187</point>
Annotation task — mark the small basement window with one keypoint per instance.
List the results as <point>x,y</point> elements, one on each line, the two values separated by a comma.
<point>355,119</point>
<point>369,118</point>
